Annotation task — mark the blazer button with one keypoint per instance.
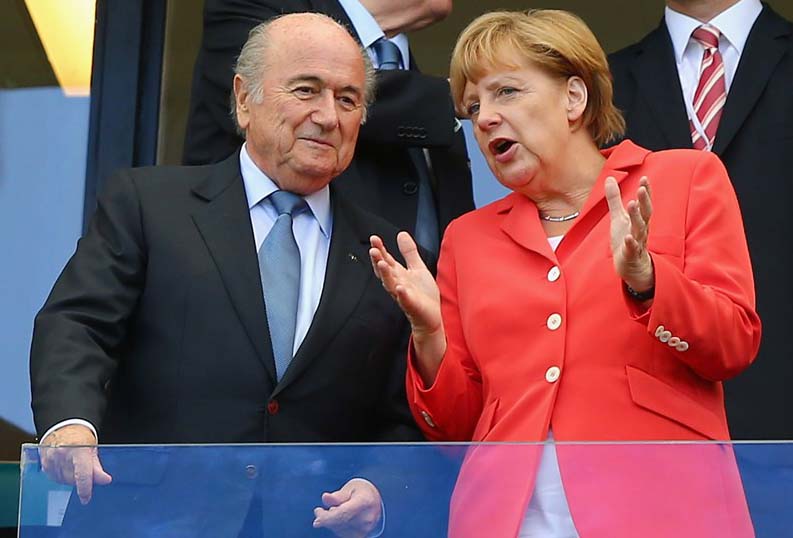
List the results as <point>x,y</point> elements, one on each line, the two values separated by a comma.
<point>410,187</point>
<point>554,321</point>
<point>659,330</point>
<point>251,471</point>
<point>552,374</point>
<point>682,346</point>
<point>665,336</point>
<point>273,406</point>
<point>428,419</point>
<point>673,341</point>
<point>553,274</point>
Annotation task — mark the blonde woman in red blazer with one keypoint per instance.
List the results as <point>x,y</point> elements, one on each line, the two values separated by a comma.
<point>623,332</point>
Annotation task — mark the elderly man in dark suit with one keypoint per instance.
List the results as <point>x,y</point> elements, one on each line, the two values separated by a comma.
<point>234,303</point>
<point>717,75</point>
<point>410,165</point>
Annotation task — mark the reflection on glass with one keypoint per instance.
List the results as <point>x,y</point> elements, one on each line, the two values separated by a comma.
<point>614,490</point>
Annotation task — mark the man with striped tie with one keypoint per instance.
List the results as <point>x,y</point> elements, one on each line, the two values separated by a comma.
<point>717,75</point>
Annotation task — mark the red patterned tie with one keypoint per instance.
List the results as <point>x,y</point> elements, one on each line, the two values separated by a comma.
<point>711,91</point>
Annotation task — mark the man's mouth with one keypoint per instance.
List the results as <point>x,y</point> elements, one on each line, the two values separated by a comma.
<point>318,141</point>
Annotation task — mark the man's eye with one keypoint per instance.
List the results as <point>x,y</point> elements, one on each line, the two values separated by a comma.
<point>304,91</point>
<point>348,102</point>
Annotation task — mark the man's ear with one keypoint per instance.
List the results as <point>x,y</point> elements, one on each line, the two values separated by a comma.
<point>577,97</point>
<point>241,96</point>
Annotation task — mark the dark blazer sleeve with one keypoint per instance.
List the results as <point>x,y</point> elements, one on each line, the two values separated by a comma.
<point>84,320</point>
<point>410,109</point>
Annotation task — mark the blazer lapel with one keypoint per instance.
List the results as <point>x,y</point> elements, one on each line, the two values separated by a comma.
<point>764,49</point>
<point>522,224</point>
<point>655,70</point>
<point>225,225</point>
<point>346,277</point>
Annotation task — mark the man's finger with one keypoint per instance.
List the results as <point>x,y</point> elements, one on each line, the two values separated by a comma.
<point>83,473</point>
<point>101,477</point>
<point>335,498</point>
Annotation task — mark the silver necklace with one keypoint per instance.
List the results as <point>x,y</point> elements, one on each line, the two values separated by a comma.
<point>563,218</point>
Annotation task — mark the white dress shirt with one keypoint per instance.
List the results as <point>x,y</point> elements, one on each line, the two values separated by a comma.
<point>734,24</point>
<point>369,31</point>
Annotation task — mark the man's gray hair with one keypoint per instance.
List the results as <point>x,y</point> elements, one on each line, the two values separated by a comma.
<point>251,66</point>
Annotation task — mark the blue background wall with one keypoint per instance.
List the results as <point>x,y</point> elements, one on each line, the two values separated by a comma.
<point>43,137</point>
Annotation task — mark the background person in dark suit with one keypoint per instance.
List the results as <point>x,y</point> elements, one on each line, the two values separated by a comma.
<point>655,81</point>
<point>157,331</point>
<point>410,165</point>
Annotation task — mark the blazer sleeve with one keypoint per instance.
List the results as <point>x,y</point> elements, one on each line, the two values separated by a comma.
<point>411,109</point>
<point>450,408</point>
<point>77,333</point>
<point>706,300</point>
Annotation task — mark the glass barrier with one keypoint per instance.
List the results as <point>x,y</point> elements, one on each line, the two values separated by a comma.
<point>609,490</point>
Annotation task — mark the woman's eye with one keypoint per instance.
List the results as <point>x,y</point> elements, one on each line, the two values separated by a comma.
<point>506,91</point>
<point>472,109</point>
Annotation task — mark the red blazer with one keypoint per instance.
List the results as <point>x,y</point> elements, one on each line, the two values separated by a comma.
<point>540,340</point>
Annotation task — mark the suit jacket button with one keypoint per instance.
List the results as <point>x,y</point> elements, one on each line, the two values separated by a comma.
<point>251,471</point>
<point>410,187</point>
<point>273,406</point>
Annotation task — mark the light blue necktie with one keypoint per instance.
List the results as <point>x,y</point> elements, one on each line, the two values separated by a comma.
<point>427,233</point>
<point>279,267</point>
<point>388,55</point>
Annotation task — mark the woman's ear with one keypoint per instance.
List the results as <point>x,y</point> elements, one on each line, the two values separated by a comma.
<point>576,98</point>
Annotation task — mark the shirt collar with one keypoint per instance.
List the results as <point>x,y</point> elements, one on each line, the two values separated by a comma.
<point>369,30</point>
<point>734,23</point>
<point>259,186</point>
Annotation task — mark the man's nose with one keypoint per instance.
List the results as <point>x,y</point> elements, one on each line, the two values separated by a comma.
<point>325,114</point>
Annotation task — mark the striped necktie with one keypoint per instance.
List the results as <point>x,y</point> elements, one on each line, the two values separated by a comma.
<point>711,93</point>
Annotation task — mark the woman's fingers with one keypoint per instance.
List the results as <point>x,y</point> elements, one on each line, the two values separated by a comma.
<point>409,250</point>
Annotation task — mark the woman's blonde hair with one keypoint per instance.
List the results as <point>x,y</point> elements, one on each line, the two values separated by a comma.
<point>556,41</point>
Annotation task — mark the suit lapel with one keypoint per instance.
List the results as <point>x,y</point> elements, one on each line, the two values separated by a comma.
<point>656,75</point>
<point>346,277</point>
<point>764,49</point>
<point>225,225</point>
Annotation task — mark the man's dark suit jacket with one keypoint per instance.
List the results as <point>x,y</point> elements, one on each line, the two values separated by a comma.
<point>412,110</point>
<point>156,332</point>
<point>755,141</point>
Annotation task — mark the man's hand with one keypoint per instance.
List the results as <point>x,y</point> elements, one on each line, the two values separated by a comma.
<point>630,227</point>
<point>399,16</point>
<point>351,512</point>
<point>68,456</point>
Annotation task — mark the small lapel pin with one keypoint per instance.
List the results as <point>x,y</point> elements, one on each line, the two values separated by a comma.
<point>352,257</point>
